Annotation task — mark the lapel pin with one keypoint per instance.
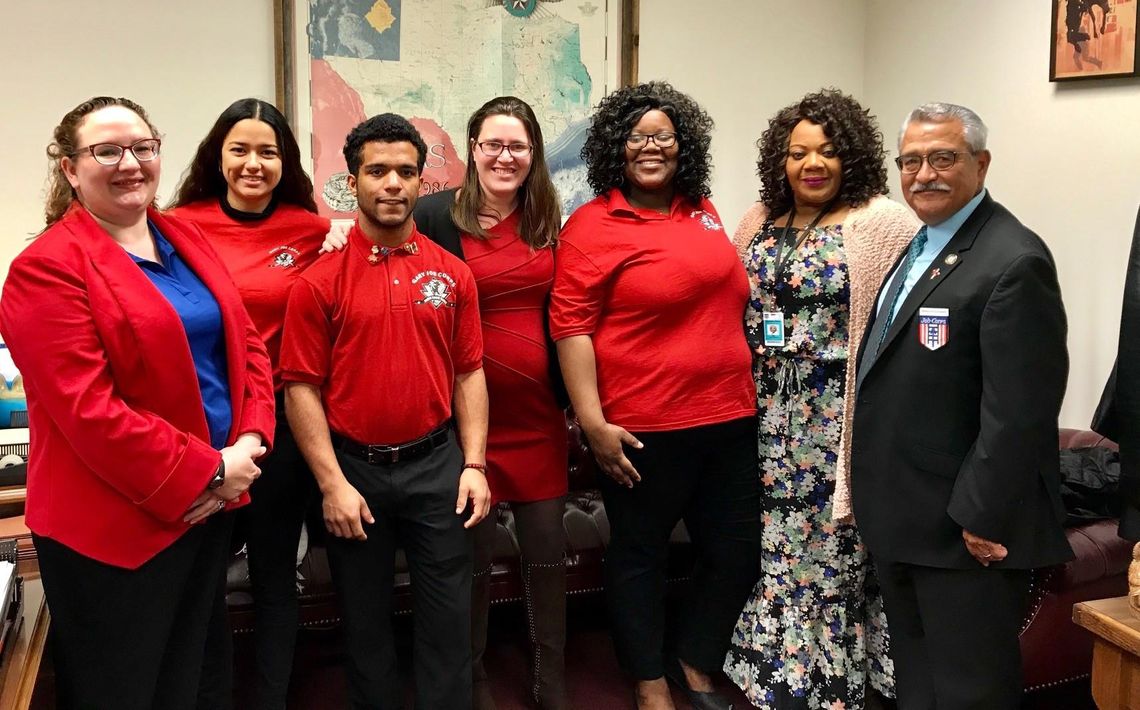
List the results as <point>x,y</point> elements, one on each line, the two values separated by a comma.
<point>950,259</point>
<point>934,274</point>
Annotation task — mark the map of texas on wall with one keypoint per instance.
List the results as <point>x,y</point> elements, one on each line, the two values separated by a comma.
<point>436,61</point>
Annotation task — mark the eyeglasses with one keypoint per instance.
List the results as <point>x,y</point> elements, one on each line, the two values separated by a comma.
<point>635,141</point>
<point>493,149</point>
<point>939,160</point>
<point>144,150</point>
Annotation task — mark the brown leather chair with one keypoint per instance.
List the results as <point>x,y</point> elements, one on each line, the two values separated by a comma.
<point>1054,650</point>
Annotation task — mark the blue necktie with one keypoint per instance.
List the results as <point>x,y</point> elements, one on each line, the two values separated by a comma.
<point>916,246</point>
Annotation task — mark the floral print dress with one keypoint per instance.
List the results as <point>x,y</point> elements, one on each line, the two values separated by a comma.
<point>813,633</point>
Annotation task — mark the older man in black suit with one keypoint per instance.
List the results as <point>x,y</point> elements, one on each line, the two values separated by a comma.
<point>954,465</point>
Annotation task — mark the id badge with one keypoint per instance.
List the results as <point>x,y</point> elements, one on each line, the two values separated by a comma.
<point>773,329</point>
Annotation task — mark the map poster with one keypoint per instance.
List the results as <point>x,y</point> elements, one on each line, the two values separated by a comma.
<point>435,62</point>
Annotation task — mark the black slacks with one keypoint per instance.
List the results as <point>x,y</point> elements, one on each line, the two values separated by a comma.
<point>707,476</point>
<point>134,639</point>
<point>414,506</point>
<point>279,501</point>
<point>954,635</point>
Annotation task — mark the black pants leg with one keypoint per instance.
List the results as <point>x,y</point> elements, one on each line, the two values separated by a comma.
<point>439,559</point>
<point>216,690</point>
<point>725,524</point>
<point>279,501</point>
<point>414,506</point>
<point>954,635</point>
<point>680,471</point>
<point>362,573</point>
<point>133,639</point>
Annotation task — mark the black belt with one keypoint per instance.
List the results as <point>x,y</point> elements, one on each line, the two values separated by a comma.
<point>383,454</point>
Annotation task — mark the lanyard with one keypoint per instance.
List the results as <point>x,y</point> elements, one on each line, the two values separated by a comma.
<point>782,256</point>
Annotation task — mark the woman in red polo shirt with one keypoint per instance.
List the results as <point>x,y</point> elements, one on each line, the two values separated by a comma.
<point>647,311</point>
<point>149,397</point>
<point>247,190</point>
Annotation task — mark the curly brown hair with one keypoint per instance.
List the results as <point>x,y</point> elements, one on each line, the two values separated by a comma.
<point>852,130</point>
<point>615,117</point>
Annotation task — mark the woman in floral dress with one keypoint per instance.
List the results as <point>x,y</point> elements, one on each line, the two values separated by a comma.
<point>816,247</point>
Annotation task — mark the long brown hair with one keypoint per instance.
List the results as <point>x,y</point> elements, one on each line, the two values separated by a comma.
<point>203,180</point>
<point>540,215</point>
<point>60,193</point>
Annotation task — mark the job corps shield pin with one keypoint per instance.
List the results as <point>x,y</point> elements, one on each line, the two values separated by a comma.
<point>933,327</point>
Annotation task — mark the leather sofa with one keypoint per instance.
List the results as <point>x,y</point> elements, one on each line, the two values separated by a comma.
<point>1054,649</point>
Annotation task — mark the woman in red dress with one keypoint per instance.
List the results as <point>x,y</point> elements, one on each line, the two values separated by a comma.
<point>504,221</point>
<point>247,190</point>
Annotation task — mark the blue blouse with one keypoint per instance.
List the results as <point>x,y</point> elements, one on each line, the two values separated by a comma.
<point>202,320</point>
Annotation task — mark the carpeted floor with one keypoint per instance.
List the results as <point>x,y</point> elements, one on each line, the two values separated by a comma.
<point>593,677</point>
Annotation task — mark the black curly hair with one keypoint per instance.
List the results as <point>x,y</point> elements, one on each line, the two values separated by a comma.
<point>852,130</point>
<point>615,117</point>
<point>384,128</point>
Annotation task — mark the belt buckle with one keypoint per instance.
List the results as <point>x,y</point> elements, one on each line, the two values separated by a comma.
<point>393,453</point>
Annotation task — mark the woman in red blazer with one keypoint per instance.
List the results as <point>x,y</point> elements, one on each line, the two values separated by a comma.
<point>149,398</point>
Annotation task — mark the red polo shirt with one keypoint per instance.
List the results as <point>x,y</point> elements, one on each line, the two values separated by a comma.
<point>663,298</point>
<point>265,257</point>
<point>383,340</point>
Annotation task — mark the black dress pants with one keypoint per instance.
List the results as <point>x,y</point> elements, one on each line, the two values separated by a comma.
<point>414,506</point>
<point>954,635</point>
<point>279,501</point>
<point>134,639</point>
<point>707,476</point>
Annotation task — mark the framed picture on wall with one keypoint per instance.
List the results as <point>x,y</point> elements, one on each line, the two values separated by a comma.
<point>435,62</point>
<point>1092,39</point>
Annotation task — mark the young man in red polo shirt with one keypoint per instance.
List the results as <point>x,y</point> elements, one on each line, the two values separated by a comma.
<point>382,347</point>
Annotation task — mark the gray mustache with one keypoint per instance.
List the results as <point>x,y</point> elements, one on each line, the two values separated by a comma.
<point>929,186</point>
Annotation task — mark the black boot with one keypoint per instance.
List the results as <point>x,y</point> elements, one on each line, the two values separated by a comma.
<point>545,589</point>
<point>480,608</point>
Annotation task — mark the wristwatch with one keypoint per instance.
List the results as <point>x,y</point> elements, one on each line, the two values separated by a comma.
<point>219,477</point>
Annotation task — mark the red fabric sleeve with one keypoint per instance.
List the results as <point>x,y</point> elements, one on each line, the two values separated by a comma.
<point>467,347</point>
<point>578,293</point>
<point>48,325</point>
<point>306,343</point>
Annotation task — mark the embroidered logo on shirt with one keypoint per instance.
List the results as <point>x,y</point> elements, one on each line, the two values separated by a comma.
<point>284,257</point>
<point>707,220</point>
<point>438,290</point>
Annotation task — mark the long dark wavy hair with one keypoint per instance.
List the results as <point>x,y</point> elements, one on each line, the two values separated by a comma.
<point>60,194</point>
<point>540,215</point>
<point>615,117</point>
<point>851,129</point>
<point>204,180</point>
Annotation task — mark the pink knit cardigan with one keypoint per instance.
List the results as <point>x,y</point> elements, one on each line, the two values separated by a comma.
<point>873,237</point>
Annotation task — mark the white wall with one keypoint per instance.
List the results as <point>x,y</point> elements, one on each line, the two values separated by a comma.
<point>1066,157</point>
<point>182,61</point>
<point>743,61</point>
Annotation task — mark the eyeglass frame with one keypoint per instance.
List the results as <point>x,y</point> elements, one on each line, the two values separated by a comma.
<point>650,137</point>
<point>925,158</point>
<point>504,146</point>
<point>122,151</point>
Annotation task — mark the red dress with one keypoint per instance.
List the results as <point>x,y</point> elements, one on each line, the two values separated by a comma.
<point>526,444</point>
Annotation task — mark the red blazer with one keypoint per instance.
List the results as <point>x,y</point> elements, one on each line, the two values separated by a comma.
<point>119,442</point>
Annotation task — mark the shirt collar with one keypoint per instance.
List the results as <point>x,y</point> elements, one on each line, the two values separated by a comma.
<point>162,247</point>
<point>361,244</point>
<point>618,202</point>
<point>943,231</point>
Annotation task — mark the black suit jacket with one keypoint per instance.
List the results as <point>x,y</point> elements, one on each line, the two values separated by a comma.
<point>965,436</point>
